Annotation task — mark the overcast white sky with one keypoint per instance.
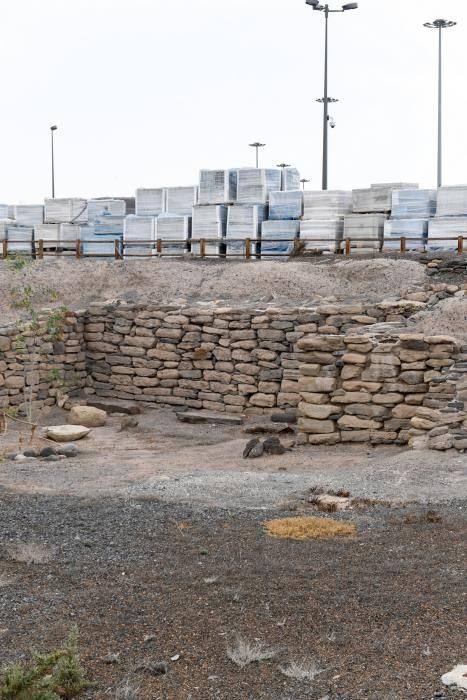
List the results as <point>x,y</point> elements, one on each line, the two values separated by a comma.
<point>147,92</point>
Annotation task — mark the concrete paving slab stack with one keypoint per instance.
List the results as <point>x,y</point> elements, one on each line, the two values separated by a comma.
<point>29,214</point>
<point>173,227</point>
<point>139,236</point>
<point>411,211</point>
<point>276,238</point>
<point>451,218</point>
<point>244,221</point>
<point>209,222</point>
<point>180,200</point>
<point>285,205</point>
<point>4,211</point>
<point>290,179</point>
<point>217,187</point>
<point>49,234</point>
<point>104,207</point>
<point>20,239</point>
<point>71,210</point>
<point>322,226</point>
<point>255,184</point>
<point>150,201</point>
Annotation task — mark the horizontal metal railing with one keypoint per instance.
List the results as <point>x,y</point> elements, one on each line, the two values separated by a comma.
<point>51,247</point>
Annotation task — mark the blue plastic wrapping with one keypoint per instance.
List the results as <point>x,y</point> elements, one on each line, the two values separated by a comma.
<point>290,179</point>
<point>103,207</point>
<point>285,205</point>
<point>449,228</point>
<point>108,225</point>
<point>217,186</point>
<point>99,244</point>
<point>413,204</point>
<point>20,239</point>
<point>395,229</point>
<point>452,201</point>
<point>4,211</point>
<point>378,197</point>
<point>329,204</point>
<point>170,227</point>
<point>255,184</point>
<point>276,237</point>
<point>209,222</point>
<point>324,234</point>
<point>244,221</point>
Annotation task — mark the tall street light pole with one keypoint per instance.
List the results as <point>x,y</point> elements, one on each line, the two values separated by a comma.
<point>440,24</point>
<point>326,99</point>
<point>52,130</point>
<point>257,145</point>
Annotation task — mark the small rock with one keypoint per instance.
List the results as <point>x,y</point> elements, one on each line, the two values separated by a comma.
<point>157,668</point>
<point>149,638</point>
<point>128,422</point>
<point>21,458</point>
<point>288,417</point>
<point>111,658</point>
<point>68,450</point>
<point>175,658</point>
<point>251,444</point>
<point>47,451</point>
<point>31,453</point>
<point>67,433</point>
<point>256,451</point>
<point>457,677</point>
<point>87,416</point>
<point>273,446</point>
<point>11,455</point>
<point>52,458</point>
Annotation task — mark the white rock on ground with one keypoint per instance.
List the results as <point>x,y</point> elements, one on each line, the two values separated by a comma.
<point>67,433</point>
<point>88,416</point>
<point>456,677</point>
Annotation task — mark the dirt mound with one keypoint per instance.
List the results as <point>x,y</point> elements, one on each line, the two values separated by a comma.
<point>75,284</point>
<point>448,317</point>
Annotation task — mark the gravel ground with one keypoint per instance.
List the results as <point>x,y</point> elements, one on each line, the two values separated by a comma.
<point>77,283</point>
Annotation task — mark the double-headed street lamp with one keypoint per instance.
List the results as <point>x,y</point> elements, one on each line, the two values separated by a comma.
<point>52,130</point>
<point>326,99</point>
<point>304,181</point>
<point>440,24</point>
<point>257,145</point>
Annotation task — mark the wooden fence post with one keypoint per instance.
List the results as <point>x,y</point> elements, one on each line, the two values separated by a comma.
<point>460,245</point>
<point>5,249</point>
<point>78,250</point>
<point>348,246</point>
<point>247,248</point>
<point>117,249</point>
<point>159,246</point>
<point>40,250</point>
<point>202,247</point>
<point>403,243</point>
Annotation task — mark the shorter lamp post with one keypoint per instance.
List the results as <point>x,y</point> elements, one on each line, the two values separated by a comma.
<point>52,129</point>
<point>257,145</point>
<point>304,181</point>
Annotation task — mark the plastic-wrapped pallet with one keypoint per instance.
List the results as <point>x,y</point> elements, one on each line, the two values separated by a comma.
<point>395,229</point>
<point>285,205</point>
<point>443,232</point>
<point>4,211</point>
<point>4,223</point>
<point>139,236</point>
<point>244,221</point>
<point>217,186</point>
<point>209,222</point>
<point>452,201</point>
<point>11,211</point>
<point>109,225</point>
<point>150,202</point>
<point>325,234</point>
<point>329,204</point>
<point>377,198</point>
<point>171,227</point>
<point>49,234</point>
<point>68,235</point>
<point>277,238</point>
<point>66,211</point>
<point>413,204</point>
<point>365,226</point>
<point>290,179</point>
<point>99,244</point>
<point>180,200</point>
<point>29,214</point>
<point>255,184</point>
<point>20,240</point>
<point>103,207</point>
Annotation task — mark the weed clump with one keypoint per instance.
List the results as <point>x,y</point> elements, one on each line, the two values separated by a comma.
<point>308,528</point>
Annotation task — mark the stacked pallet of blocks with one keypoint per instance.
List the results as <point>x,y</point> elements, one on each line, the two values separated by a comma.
<point>451,218</point>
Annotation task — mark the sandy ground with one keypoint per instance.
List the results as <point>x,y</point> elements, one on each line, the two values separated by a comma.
<point>75,284</point>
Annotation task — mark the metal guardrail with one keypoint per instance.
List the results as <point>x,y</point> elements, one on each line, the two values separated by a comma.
<point>51,248</point>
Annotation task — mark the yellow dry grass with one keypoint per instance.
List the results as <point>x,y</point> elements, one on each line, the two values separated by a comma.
<point>308,528</point>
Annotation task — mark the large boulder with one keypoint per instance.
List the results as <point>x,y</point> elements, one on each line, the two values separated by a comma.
<point>88,416</point>
<point>67,433</point>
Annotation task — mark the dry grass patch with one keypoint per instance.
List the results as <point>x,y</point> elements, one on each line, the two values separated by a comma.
<point>308,528</point>
<point>30,553</point>
<point>244,652</point>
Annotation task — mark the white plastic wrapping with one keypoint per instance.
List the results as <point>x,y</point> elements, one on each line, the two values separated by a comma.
<point>255,184</point>
<point>290,179</point>
<point>29,214</point>
<point>49,234</point>
<point>358,227</point>
<point>329,204</point>
<point>99,244</point>
<point>217,186</point>
<point>413,204</point>
<point>139,236</point>
<point>452,201</point>
<point>277,238</point>
<point>395,229</point>
<point>377,198</point>
<point>4,223</point>
<point>244,221</point>
<point>324,234</point>
<point>68,235</point>
<point>443,232</point>
<point>150,202</point>
<point>66,211</point>
<point>209,222</point>
<point>4,211</point>
<point>180,200</point>
<point>108,225</point>
<point>285,205</point>
<point>171,227</point>
<point>20,239</point>
<point>101,207</point>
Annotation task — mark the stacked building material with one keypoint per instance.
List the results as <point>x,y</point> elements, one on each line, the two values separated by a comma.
<point>322,234</point>
<point>20,240</point>
<point>180,200</point>
<point>5,211</point>
<point>290,179</point>
<point>277,238</point>
<point>209,222</point>
<point>69,234</point>
<point>244,221</point>
<point>174,232</point>
<point>377,198</point>
<point>330,204</point>
<point>108,225</point>
<point>29,214</point>
<point>139,236</point>
<point>359,227</point>
<point>413,204</point>
<point>150,202</point>
<point>285,205</point>
<point>49,234</point>
<point>66,211</point>
<point>104,207</point>
<point>443,232</point>
<point>255,184</point>
<point>217,186</point>
<point>452,201</point>
<point>395,229</point>
<point>97,243</point>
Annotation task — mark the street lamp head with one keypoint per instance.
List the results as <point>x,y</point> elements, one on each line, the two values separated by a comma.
<point>257,144</point>
<point>283,165</point>
<point>440,24</point>
<point>350,6</point>
<point>53,128</point>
